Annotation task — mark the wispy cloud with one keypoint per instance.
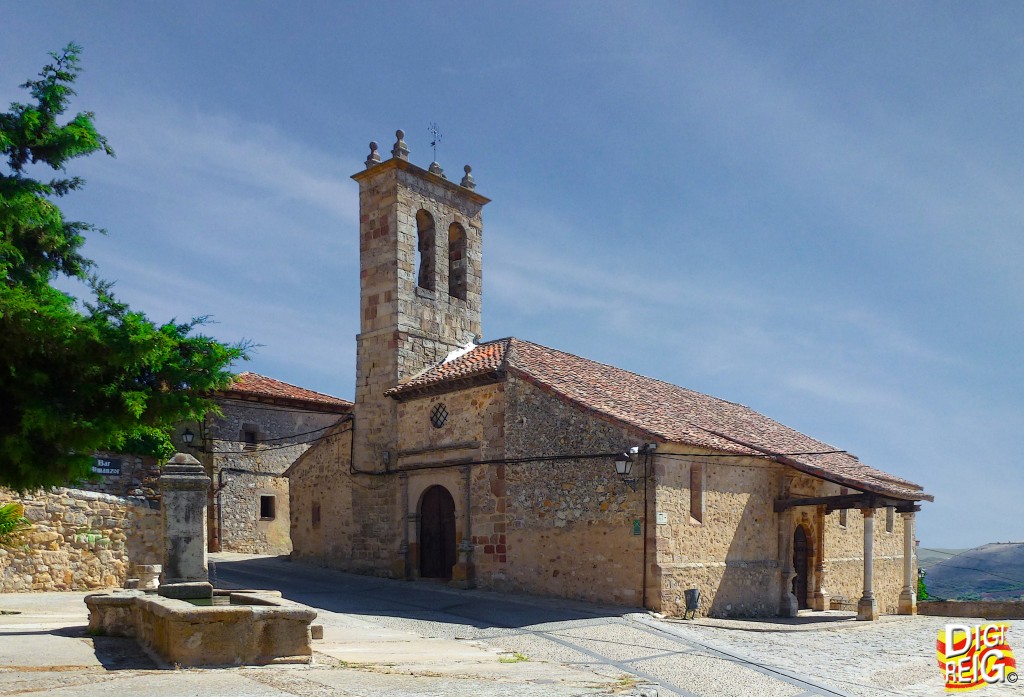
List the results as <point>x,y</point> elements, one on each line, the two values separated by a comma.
<point>212,215</point>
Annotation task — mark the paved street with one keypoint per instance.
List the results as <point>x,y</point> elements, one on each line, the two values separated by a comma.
<point>396,639</point>
<point>842,656</point>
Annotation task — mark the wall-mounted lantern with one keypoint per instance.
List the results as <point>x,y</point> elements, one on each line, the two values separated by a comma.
<point>624,463</point>
<point>187,437</point>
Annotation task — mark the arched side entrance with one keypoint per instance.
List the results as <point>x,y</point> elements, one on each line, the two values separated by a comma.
<point>437,533</point>
<point>801,555</point>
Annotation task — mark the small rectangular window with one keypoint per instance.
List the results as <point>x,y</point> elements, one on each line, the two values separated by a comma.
<point>697,493</point>
<point>267,507</point>
<point>250,438</point>
<point>890,518</point>
<point>316,514</point>
<point>842,513</point>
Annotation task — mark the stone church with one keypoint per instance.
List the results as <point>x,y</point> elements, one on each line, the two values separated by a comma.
<point>509,465</point>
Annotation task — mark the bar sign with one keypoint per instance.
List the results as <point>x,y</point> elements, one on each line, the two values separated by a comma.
<point>110,467</point>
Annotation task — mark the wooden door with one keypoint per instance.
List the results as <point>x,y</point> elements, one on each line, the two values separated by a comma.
<point>437,533</point>
<point>800,564</point>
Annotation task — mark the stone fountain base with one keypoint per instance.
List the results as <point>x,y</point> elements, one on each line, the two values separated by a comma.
<point>253,628</point>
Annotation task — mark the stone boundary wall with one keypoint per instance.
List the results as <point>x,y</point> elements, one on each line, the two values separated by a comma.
<point>79,540</point>
<point>139,477</point>
<point>988,609</point>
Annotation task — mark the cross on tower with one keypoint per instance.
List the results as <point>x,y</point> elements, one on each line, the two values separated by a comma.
<point>432,129</point>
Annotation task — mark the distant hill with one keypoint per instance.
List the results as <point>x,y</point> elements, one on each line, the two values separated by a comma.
<point>990,572</point>
<point>927,558</point>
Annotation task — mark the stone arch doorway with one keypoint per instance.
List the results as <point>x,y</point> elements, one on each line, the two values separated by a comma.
<point>801,556</point>
<point>437,533</point>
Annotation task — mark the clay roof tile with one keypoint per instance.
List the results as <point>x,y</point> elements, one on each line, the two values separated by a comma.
<point>249,385</point>
<point>663,410</point>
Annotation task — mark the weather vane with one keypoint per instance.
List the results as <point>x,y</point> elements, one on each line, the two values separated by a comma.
<point>432,128</point>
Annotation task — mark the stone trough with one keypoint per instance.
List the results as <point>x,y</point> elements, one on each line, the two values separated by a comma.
<point>185,622</point>
<point>250,628</point>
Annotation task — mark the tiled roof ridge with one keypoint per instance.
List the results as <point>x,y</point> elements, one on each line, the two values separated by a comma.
<point>658,408</point>
<point>790,459</point>
<point>865,476</point>
<point>425,380</point>
<point>300,393</point>
<point>673,386</point>
<point>666,383</point>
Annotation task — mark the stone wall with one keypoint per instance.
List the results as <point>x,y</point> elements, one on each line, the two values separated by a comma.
<point>844,556</point>
<point>732,555</point>
<point>243,474</point>
<point>572,528</point>
<point>320,493</point>
<point>472,431</point>
<point>139,477</point>
<point>80,540</point>
<point>987,609</point>
<point>735,555</point>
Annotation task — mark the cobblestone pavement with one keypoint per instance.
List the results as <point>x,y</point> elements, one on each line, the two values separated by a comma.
<point>838,656</point>
<point>396,639</point>
<point>895,656</point>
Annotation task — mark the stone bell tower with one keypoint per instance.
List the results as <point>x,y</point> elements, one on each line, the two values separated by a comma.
<point>420,284</point>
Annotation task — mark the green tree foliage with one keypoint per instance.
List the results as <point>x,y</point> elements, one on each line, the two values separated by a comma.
<point>922,589</point>
<point>13,523</point>
<point>78,377</point>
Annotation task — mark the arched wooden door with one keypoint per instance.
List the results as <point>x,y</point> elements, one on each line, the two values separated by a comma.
<point>800,552</point>
<point>437,533</point>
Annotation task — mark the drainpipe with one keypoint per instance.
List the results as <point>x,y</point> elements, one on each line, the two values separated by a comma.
<point>648,478</point>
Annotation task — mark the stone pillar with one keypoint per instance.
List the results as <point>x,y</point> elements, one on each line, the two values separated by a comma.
<point>788,605</point>
<point>463,571</point>
<point>820,595</point>
<point>867,608</point>
<point>403,551</point>
<point>908,596</point>
<point>183,488</point>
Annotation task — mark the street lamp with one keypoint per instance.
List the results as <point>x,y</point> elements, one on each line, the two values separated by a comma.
<point>624,462</point>
<point>623,465</point>
<point>187,437</point>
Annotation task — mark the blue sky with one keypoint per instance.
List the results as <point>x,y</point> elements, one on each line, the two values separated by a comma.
<point>814,209</point>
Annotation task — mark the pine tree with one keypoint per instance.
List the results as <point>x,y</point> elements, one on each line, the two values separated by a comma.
<point>77,377</point>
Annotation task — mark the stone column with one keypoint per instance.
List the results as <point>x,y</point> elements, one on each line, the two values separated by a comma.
<point>403,551</point>
<point>183,487</point>
<point>463,571</point>
<point>820,595</point>
<point>908,596</point>
<point>788,605</point>
<point>867,608</point>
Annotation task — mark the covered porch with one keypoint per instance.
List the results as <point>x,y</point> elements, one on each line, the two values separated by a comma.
<point>802,547</point>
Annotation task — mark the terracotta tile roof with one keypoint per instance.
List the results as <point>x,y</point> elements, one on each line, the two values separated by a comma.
<point>254,386</point>
<point>660,409</point>
<point>486,358</point>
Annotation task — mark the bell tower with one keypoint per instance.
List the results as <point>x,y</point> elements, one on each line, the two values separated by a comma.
<point>420,284</point>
